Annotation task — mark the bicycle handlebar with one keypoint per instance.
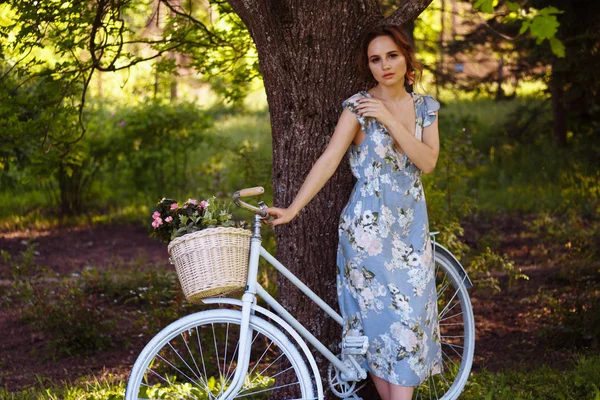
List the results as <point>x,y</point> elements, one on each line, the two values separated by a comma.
<point>248,192</point>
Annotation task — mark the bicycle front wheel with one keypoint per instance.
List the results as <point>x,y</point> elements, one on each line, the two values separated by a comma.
<point>457,331</point>
<point>196,358</point>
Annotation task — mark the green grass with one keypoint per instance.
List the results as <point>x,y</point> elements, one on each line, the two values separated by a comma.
<point>580,380</point>
<point>109,388</point>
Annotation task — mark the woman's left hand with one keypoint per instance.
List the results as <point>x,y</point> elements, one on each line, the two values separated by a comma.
<point>374,108</point>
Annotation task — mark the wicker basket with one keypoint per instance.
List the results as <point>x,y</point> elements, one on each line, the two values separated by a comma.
<point>211,262</point>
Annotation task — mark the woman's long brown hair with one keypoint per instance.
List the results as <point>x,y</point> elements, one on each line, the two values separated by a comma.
<point>414,68</point>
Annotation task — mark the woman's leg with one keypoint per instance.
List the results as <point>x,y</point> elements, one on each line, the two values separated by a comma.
<point>383,387</point>
<point>400,392</point>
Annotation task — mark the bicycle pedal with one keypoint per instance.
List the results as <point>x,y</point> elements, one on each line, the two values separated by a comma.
<point>355,345</point>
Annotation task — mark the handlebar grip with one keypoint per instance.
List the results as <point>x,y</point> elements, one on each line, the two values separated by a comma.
<point>255,191</point>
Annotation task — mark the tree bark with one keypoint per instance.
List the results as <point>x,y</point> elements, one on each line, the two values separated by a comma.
<point>307,55</point>
<point>559,111</point>
<point>499,80</point>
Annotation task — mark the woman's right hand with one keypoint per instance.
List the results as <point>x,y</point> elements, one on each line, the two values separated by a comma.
<point>282,215</point>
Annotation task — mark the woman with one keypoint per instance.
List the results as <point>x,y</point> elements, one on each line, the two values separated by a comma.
<point>386,283</point>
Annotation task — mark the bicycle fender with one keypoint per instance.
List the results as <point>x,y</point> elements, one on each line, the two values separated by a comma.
<point>457,265</point>
<point>281,322</point>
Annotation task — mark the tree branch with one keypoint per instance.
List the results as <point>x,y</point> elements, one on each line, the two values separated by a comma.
<point>198,23</point>
<point>408,11</point>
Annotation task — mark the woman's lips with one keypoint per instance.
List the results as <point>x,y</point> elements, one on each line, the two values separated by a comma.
<point>388,75</point>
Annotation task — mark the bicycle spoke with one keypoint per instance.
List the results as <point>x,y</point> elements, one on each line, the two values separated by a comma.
<point>201,353</point>
<point>447,370</point>
<point>270,389</point>
<point>454,324</point>
<point>211,396</point>
<point>452,316</point>
<point>178,370</point>
<point>282,372</point>
<point>273,377</point>
<point>226,341</point>
<point>443,288</point>
<point>449,358</point>
<point>228,375</point>
<point>268,366</point>
<point>452,344</point>
<point>430,379</point>
<point>225,377</point>
<point>181,358</point>
<point>457,353</point>
<point>434,388</point>
<point>191,355</point>
<point>161,377</point>
<point>457,336</point>
<point>417,393</point>
<point>217,350</point>
<point>260,359</point>
<point>258,362</point>
<point>446,309</point>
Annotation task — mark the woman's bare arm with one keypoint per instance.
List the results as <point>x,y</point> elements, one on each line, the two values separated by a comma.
<point>423,154</point>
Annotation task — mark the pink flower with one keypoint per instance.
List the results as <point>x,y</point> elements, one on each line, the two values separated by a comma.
<point>174,206</point>
<point>122,123</point>
<point>156,215</point>
<point>192,201</point>
<point>157,222</point>
<point>204,204</point>
<point>169,219</point>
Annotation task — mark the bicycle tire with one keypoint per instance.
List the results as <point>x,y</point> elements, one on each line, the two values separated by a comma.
<point>457,330</point>
<point>197,366</point>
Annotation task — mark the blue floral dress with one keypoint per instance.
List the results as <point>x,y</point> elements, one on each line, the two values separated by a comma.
<point>386,284</point>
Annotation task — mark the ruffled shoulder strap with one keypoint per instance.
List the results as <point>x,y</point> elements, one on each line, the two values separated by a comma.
<point>351,102</point>
<point>429,106</point>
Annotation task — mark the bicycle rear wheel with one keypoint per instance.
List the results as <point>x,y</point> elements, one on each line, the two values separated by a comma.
<point>457,330</point>
<point>196,358</point>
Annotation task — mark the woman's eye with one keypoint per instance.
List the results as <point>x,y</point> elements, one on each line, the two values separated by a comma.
<point>374,60</point>
<point>393,55</point>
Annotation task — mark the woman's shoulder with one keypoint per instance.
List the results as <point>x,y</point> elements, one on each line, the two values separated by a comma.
<point>352,100</point>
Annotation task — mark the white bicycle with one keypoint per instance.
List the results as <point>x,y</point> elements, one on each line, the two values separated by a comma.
<point>245,351</point>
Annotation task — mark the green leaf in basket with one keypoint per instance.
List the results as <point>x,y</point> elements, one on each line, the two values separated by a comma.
<point>184,219</point>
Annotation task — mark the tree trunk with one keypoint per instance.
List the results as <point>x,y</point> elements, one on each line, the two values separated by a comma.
<point>559,111</point>
<point>307,56</point>
<point>499,79</point>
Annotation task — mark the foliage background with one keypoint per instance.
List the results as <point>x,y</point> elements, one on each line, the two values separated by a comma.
<point>92,136</point>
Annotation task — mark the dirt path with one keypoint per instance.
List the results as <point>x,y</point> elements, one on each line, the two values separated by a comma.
<point>67,250</point>
<point>506,332</point>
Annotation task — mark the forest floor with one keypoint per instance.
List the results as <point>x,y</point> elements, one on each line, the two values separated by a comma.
<point>511,326</point>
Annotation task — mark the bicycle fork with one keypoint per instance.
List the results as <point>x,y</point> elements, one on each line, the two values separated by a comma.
<point>248,301</point>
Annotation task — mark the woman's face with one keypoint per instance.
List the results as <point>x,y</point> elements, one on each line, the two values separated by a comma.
<point>386,61</point>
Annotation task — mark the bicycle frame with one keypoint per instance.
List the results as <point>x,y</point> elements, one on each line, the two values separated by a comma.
<point>248,302</point>
<point>283,330</point>
<point>349,369</point>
